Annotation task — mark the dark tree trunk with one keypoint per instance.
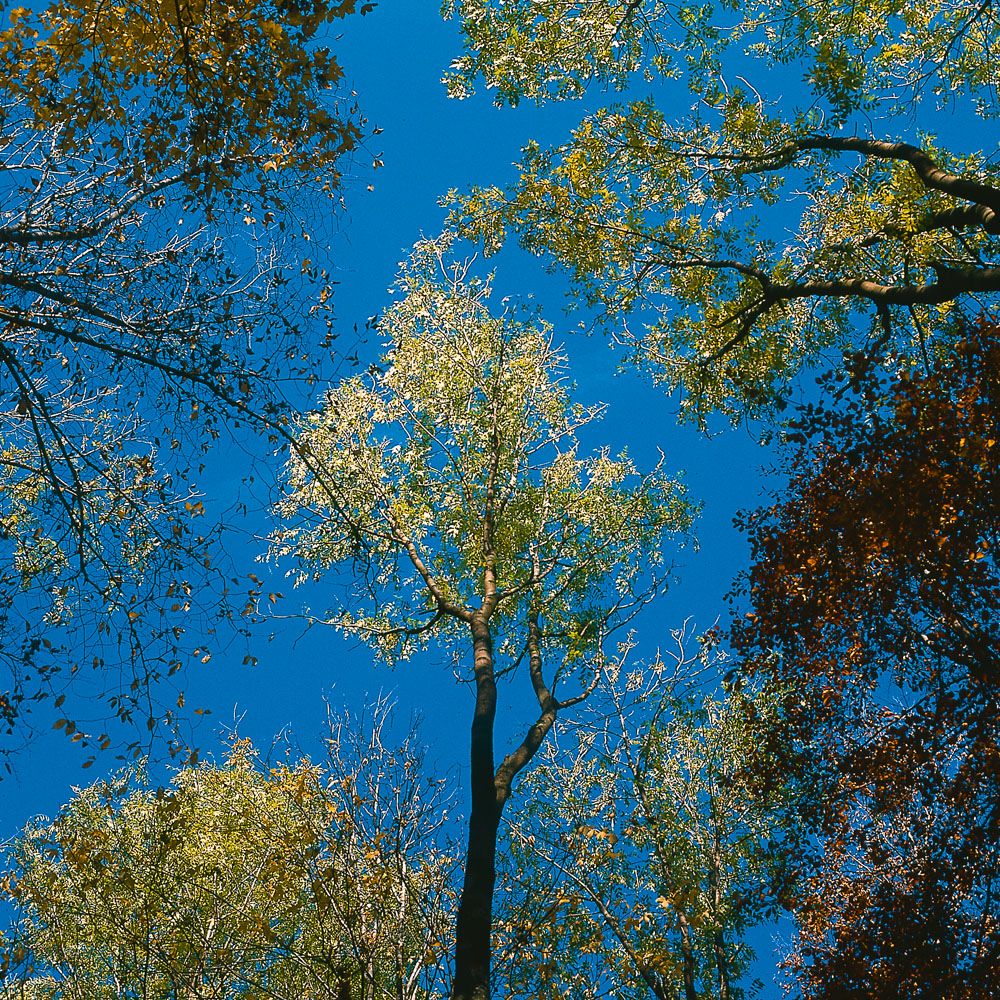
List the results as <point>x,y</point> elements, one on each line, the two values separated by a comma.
<point>722,963</point>
<point>718,941</point>
<point>687,952</point>
<point>343,983</point>
<point>475,910</point>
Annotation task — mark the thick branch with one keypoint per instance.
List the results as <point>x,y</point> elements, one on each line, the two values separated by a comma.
<point>430,581</point>
<point>951,282</point>
<point>933,176</point>
<point>985,197</point>
<point>518,759</point>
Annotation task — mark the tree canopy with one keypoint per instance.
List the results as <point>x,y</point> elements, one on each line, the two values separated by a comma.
<point>643,856</point>
<point>452,480</point>
<point>321,880</point>
<point>874,595</point>
<point>731,244</point>
<point>153,282</point>
<point>755,193</point>
<point>737,242</point>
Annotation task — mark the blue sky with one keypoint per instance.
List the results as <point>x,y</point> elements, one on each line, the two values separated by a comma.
<point>394,59</point>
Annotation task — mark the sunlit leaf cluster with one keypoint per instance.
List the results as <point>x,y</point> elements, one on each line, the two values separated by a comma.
<point>732,243</point>
<point>221,89</point>
<point>461,458</point>
<point>543,49</point>
<point>886,55</point>
<point>236,880</point>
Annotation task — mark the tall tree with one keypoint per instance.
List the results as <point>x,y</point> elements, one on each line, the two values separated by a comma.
<point>644,855</point>
<point>766,226</point>
<point>874,598</point>
<point>317,880</point>
<point>453,485</point>
<point>149,156</point>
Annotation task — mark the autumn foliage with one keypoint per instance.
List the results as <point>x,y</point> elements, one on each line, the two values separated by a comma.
<point>875,591</point>
<point>222,89</point>
<point>155,286</point>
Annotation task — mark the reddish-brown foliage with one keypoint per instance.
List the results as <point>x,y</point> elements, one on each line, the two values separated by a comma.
<point>875,591</point>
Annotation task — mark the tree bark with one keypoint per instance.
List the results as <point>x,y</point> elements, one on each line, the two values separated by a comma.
<point>343,983</point>
<point>687,953</point>
<point>475,910</point>
<point>718,939</point>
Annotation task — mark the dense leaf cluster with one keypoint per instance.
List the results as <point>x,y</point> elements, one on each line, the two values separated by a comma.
<point>731,244</point>
<point>875,592</point>
<point>237,880</point>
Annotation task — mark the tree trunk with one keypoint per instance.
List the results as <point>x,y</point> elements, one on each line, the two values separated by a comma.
<point>687,952</point>
<point>722,963</point>
<point>343,983</point>
<point>718,941</point>
<point>475,909</point>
